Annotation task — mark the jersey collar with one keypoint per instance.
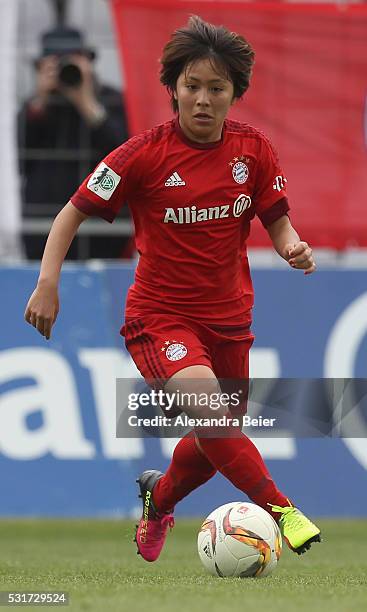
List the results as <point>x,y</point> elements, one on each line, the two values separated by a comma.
<point>192,143</point>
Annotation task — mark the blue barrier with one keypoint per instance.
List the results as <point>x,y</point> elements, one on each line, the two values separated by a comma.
<point>58,453</point>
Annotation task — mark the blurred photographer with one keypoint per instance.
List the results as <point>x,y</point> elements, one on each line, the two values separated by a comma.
<point>65,128</point>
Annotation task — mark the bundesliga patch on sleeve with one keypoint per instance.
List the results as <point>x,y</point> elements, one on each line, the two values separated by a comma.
<point>103,181</point>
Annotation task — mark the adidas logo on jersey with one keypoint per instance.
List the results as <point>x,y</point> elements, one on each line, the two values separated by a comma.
<point>174,180</point>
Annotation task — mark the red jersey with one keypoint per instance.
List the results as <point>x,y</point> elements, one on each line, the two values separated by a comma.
<point>192,205</point>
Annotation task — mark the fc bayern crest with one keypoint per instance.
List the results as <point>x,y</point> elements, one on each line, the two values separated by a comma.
<point>176,351</point>
<point>240,172</point>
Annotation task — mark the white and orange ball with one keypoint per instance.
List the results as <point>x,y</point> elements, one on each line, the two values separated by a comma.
<point>239,539</point>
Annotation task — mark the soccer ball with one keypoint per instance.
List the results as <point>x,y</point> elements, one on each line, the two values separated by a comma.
<point>239,539</point>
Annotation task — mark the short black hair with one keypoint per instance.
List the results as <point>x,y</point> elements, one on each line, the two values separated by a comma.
<point>229,52</point>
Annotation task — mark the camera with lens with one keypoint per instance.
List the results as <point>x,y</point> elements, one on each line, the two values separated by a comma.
<point>63,42</point>
<point>69,73</point>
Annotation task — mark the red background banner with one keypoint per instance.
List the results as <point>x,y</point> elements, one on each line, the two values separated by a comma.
<point>308,94</point>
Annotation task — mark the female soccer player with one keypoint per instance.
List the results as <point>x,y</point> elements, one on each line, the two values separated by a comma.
<point>193,185</point>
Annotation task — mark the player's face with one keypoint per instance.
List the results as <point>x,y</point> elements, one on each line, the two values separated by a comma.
<point>204,97</point>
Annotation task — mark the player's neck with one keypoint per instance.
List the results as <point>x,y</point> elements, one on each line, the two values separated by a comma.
<point>213,137</point>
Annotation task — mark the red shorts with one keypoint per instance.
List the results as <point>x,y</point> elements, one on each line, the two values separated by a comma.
<point>162,345</point>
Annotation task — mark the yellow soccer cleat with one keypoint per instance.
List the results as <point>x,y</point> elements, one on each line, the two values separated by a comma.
<point>297,530</point>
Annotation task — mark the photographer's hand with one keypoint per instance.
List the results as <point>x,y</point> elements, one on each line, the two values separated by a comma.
<point>83,97</point>
<point>46,82</point>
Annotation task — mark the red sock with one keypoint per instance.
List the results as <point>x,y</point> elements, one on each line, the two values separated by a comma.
<point>238,459</point>
<point>188,470</point>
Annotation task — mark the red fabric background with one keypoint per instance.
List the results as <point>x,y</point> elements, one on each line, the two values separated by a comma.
<point>308,94</point>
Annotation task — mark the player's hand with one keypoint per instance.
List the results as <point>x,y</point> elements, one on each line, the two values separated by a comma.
<point>42,309</point>
<point>300,256</point>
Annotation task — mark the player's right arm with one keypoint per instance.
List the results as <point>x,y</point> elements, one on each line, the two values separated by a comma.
<point>101,194</point>
<point>43,305</point>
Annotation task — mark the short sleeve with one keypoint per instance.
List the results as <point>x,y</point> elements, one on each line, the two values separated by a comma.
<point>105,190</point>
<point>270,195</point>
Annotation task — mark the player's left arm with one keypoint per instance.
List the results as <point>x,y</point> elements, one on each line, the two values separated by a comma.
<point>287,243</point>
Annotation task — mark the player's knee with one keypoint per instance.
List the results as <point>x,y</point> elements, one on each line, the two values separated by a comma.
<point>198,397</point>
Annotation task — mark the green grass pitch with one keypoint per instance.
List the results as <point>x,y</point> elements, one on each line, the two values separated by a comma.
<point>96,562</point>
